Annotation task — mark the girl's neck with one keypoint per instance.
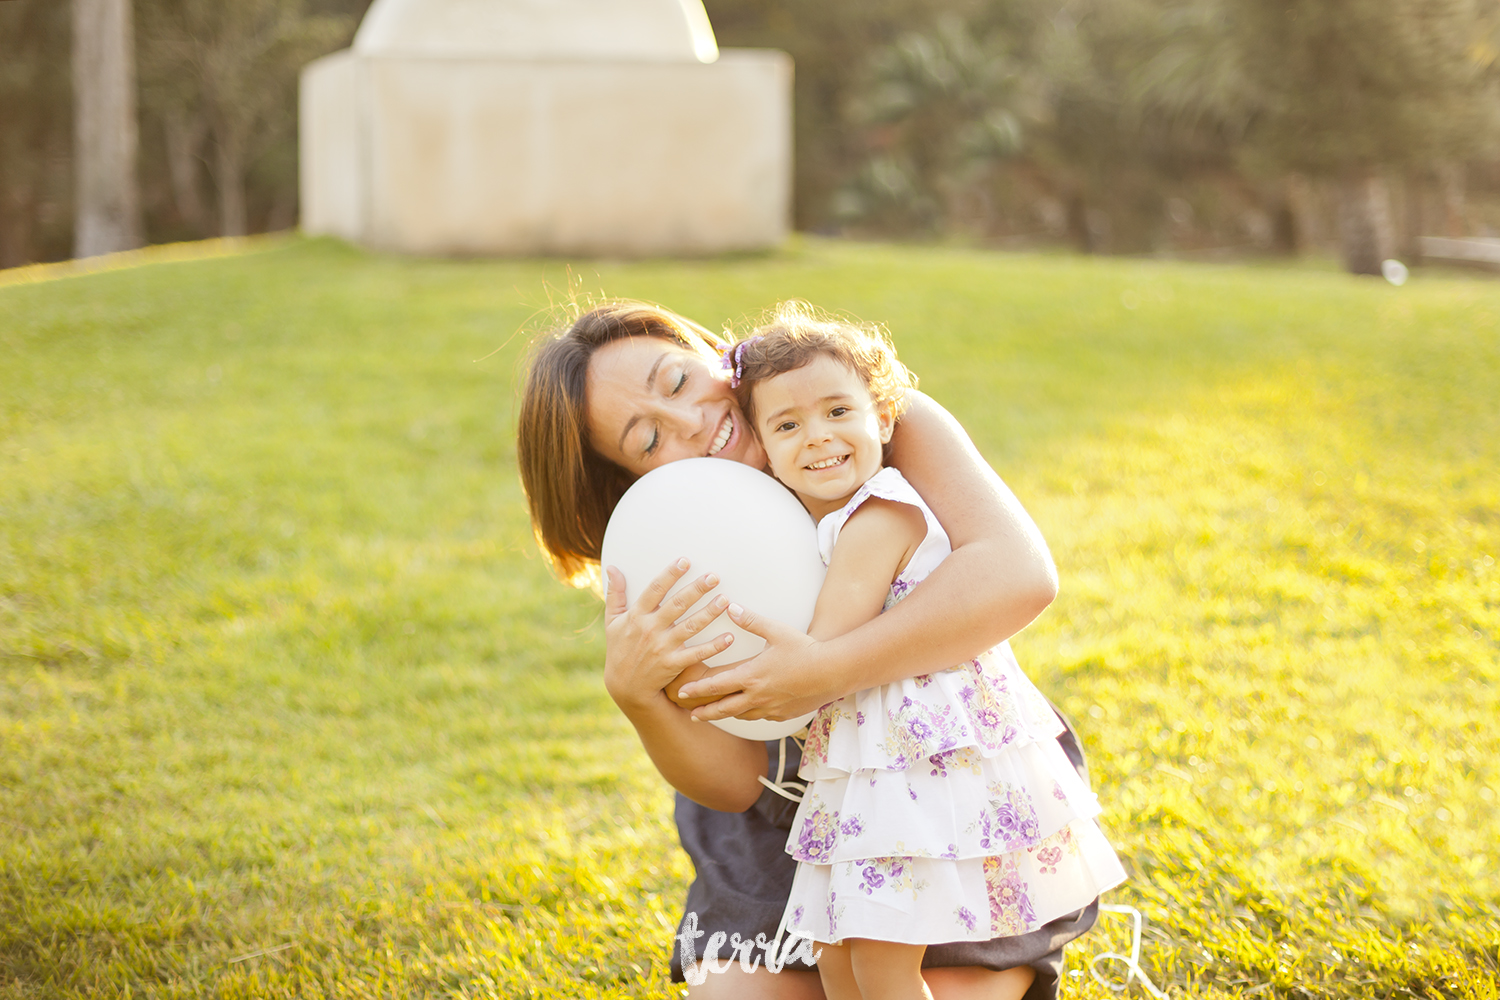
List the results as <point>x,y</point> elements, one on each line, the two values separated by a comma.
<point>820,509</point>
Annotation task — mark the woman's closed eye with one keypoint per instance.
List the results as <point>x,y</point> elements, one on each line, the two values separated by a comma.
<point>676,387</point>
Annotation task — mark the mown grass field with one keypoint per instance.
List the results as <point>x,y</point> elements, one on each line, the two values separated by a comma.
<point>289,705</point>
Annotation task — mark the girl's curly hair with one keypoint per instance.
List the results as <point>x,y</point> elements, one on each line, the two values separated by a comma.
<point>796,333</point>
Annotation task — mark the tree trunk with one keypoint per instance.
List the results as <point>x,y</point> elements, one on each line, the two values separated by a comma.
<point>1451,178</point>
<point>1286,233</point>
<point>16,215</point>
<point>1364,221</point>
<point>1303,202</point>
<point>184,136</point>
<point>107,215</point>
<point>230,174</point>
<point>1413,218</point>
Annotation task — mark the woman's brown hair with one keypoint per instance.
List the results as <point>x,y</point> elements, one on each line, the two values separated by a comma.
<point>570,489</point>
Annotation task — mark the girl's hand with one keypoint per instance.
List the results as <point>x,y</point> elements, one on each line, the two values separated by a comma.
<point>643,645</point>
<point>783,681</point>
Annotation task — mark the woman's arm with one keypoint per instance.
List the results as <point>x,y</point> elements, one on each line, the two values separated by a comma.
<point>643,652</point>
<point>998,579</point>
<point>875,544</point>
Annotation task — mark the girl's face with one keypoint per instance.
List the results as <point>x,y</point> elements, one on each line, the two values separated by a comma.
<point>652,401</point>
<point>821,431</point>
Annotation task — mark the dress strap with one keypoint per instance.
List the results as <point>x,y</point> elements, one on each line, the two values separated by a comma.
<point>782,786</point>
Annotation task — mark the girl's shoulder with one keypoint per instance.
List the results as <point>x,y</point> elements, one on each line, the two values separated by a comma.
<point>887,484</point>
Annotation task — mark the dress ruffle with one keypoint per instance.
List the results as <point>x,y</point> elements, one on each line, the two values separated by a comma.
<point>987,703</point>
<point>954,806</point>
<point>930,901</point>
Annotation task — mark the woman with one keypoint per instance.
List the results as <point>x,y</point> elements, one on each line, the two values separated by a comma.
<point>629,387</point>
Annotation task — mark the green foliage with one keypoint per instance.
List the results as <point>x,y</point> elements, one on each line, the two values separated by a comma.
<point>223,77</point>
<point>1117,106</point>
<point>217,110</point>
<point>946,107</point>
<point>1328,87</point>
<point>289,706</point>
<point>1361,83</point>
<point>1116,125</point>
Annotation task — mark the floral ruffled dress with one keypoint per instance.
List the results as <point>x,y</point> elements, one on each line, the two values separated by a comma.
<point>939,808</point>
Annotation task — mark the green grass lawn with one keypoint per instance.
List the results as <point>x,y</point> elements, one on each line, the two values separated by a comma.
<point>289,705</point>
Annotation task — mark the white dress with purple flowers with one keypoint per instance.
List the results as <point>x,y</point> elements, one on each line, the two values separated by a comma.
<point>940,808</point>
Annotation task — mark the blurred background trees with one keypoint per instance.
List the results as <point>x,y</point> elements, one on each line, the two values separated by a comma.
<point>36,136</point>
<point>1182,126</point>
<point>216,107</point>
<point>1143,125</point>
<point>221,81</point>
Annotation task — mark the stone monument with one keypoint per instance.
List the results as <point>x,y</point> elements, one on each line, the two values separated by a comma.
<point>546,126</point>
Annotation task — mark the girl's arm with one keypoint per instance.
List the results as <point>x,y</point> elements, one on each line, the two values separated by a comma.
<point>703,762</point>
<point>874,545</point>
<point>998,579</point>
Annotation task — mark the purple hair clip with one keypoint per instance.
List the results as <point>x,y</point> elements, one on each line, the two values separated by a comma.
<point>734,361</point>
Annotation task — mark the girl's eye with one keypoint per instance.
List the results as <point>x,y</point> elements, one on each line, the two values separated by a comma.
<point>838,411</point>
<point>787,426</point>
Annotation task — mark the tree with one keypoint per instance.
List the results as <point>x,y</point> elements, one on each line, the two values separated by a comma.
<point>35,133</point>
<point>832,42</point>
<point>227,72</point>
<point>107,212</point>
<point>1341,89</point>
<point>940,108</point>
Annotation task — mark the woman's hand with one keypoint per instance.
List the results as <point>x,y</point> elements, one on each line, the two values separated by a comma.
<point>783,681</point>
<point>643,644</point>
<point>643,652</point>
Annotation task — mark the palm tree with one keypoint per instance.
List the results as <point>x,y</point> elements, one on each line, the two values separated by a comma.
<point>940,108</point>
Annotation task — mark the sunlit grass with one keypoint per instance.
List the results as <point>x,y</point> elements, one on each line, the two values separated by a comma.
<point>289,706</point>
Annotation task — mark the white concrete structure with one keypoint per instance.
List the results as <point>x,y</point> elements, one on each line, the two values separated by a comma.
<point>546,126</point>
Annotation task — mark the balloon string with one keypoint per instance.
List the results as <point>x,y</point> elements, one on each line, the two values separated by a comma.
<point>781,786</point>
<point>1132,961</point>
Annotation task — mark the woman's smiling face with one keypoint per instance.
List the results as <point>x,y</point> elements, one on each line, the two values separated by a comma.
<point>652,401</point>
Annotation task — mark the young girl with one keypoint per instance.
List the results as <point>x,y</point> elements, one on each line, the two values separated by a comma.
<point>938,808</point>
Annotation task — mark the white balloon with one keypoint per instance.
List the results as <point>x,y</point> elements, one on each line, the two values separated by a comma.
<point>738,523</point>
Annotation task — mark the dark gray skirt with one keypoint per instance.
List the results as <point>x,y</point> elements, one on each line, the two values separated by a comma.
<point>744,875</point>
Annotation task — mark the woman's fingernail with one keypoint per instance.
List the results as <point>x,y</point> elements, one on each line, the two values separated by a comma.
<point>720,602</point>
<point>711,580</point>
<point>725,640</point>
<point>682,564</point>
<point>736,610</point>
